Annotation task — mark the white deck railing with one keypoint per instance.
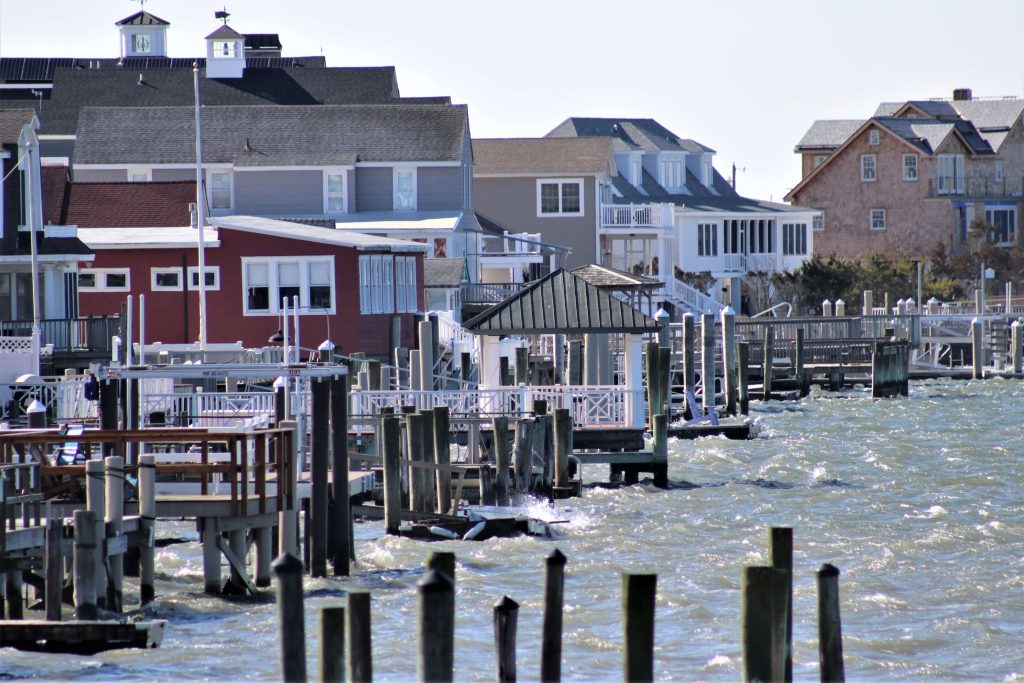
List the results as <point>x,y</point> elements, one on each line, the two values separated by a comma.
<point>694,298</point>
<point>594,406</point>
<point>637,215</point>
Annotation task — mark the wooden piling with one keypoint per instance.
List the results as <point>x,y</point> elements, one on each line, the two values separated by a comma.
<point>522,453</point>
<point>114,517</point>
<point>427,448</point>
<point>415,371</point>
<point>1016,346</point>
<point>427,355</point>
<point>443,457</point>
<point>977,349</point>
<point>830,632</point>
<point>522,365</point>
<point>574,366</point>
<point>332,645</point>
<point>689,354</point>
<point>319,461</point>
<point>465,368</point>
<point>488,493</point>
<point>766,364</point>
<point>728,320</point>
<point>551,635</point>
<point>743,376</point>
<point>147,522</point>
<point>502,459</point>
<point>340,526</point>
<point>264,555</point>
<point>652,363</point>
<point>391,449</point>
<point>763,627</point>
<point>435,632</point>
<point>94,502</point>
<point>780,542</point>
<point>707,361</point>
<point>562,447</point>
<point>659,427</point>
<point>417,476</point>
<point>506,619</point>
<point>54,567</point>
<point>211,555</point>
<point>638,596</point>
<point>291,618</point>
<point>14,590</point>
<point>85,559</point>
<point>798,362</point>
<point>288,518</point>
<point>358,642</point>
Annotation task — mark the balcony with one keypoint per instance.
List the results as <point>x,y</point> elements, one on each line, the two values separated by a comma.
<point>75,335</point>
<point>512,244</point>
<point>637,215</point>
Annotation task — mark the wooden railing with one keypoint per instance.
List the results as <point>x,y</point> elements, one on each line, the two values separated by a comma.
<point>90,334</point>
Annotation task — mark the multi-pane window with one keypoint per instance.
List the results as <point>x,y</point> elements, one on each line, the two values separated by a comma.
<point>220,190</point>
<point>212,278</point>
<point>1003,220</point>
<point>405,189</point>
<point>878,219</point>
<point>818,222</point>
<point>999,170</point>
<point>951,174</point>
<point>819,159</point>
<point>707,239</point>
<point>334,195</point>
<point>225,48</point>
<point>387,284</point>
<point>266,281</point>
<point>556,197</point>
<point>794,239</point>
<point>709,172</point>
<point>672,177</point>
<point>867,167</point>
<point>104,280</point>
<point>872,137</point>
<point>910,167</point>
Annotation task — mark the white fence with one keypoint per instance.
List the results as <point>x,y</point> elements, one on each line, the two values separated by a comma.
<point>637,215</point>
<point>594,406</point>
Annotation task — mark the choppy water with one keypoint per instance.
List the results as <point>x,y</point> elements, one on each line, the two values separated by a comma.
<point>918,501</point>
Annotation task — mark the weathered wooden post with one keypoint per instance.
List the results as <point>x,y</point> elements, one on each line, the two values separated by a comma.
<point>562,450</point>
<point>340,527</point>
<point>321,455</point>
<point>421,487</point>
<point>442,456</point>
<point>522,365</point>
<point>466,368</point>
<point>707,361</point>
<point>54,567</point>
<point>427,357</point>
<point>502,459</point>
<point>652,362</point>
<point>290,616</point>
<point>728,318</point>
<point>574,368</point>
<point>287,518</point>
<point>781,557</point>
<point>689,354</point>
<point>506,619</point>
<point>551,636</point>
<point>766,363</point>
<point>1017,345</point>
<point>358,641</point>
<point>869,303</point>
<point>332,645</point>
<point>763,628</point>
<point>147,521</point>
<point>114,519</point>
<point>435,632</point>
<point>392,451</point>
<point>415,372</point>
<point>659,426</point>
<point>427,447</point>
<point>798,362</point>
<point>830,632</point>
<point>85,561</point>
<point>523,453</point>
<point>401,361</point>
<point>743,377</point>
<point>638,595</point>
<point>94,502</point>
<point>977,348</point>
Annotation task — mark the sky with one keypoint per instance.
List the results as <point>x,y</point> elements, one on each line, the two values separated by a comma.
<point>744,77</point>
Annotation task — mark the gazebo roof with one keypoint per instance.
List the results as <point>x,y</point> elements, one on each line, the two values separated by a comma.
<point>613,279</point>
<point>561,303</point>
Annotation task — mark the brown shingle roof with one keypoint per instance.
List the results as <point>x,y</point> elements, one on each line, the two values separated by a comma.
<point>541,155</point>
<point>11,123</point>
<point>116,205</point>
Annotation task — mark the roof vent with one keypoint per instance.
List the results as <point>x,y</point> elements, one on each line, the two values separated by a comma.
<point>962,95</point>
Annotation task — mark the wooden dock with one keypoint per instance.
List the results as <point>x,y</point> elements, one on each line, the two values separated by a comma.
<point>80,637</point>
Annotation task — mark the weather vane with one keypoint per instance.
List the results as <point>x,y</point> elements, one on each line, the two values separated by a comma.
<point>141,3</point>
<point>219,14</point>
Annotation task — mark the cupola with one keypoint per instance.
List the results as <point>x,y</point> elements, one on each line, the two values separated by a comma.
<point>143,35</point>
<point>225,53</point>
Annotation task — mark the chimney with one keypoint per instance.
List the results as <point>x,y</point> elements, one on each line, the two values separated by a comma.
<point>962,95</point>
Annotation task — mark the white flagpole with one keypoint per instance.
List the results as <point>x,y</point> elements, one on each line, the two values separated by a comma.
<point>200,214</point>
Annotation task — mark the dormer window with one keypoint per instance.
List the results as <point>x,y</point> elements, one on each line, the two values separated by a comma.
<point>672,175</point>
<point>708,172</point>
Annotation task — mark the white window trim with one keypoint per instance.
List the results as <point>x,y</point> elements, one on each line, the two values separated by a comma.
<point>1012,210</point>
<point>147,172</point>
<point>231,190</point>
<point>153,272</point>
<point>703,230</point>
<point>274,307</point>
<point>328,172</point>
<point>916,167</point>
<point>873,137</point>
<point>871,219</point>
<point>818,222</point>
<point>863,168</point>
<point>795,234</point>
<point>394,187</point>
<point>193,271</point>
<point>957,179</point>
<point>101,273</point>
<point>560,182</point>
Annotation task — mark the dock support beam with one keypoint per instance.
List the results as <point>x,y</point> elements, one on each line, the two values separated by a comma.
<point>340,527</point>
<point>707,361</point>
<point>321,391</point>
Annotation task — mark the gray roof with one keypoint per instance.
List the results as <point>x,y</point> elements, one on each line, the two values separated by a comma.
<point>444,272</point>
<point>561,303</point>
<point>828,134</point>
<point>925,134</point>
<point>142,19</point>
<point>541,155</point>
<point>936,108</point>
<point>11,123</point>
<point>74,89</point>
<point>645,134</point>
<point>225,32</point>
<point>604,277</point>
<point>273,135</point>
